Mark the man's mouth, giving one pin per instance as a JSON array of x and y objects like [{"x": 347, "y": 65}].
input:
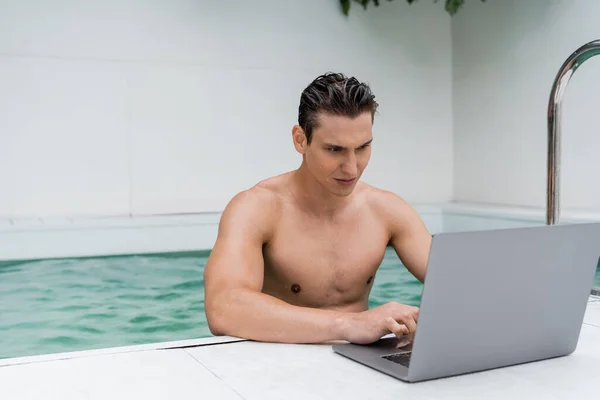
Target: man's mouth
[{"x": 345, "y": 181}]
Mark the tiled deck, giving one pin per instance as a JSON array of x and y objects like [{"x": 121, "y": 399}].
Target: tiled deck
[{"x": 227, "y": 368}]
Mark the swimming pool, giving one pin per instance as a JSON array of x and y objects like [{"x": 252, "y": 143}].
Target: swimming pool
[{"x": 60, "y": 305}]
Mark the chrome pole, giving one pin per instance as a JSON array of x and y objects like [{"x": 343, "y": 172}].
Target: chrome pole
[{"x": 574, "y": 61}]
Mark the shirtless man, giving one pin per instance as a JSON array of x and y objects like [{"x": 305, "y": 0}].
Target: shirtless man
[{"x": 296, "y": 255}]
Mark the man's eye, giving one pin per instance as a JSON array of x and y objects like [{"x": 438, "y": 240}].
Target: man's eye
[{"x": 334, "y": 149}]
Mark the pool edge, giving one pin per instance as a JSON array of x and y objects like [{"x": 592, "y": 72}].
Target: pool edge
[{"x": 207, "y": 341}]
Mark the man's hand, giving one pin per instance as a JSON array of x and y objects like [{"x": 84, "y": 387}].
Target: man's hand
[{"x": 369, "y": 326}]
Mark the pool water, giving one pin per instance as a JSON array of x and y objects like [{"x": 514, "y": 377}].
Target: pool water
[{"x": 52, "y": 306}]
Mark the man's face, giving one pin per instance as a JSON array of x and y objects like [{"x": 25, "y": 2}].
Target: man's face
[{"x": 339, "y": 151}]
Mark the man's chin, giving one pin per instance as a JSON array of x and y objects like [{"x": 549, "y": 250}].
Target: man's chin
[{"x": 343, "y": 192}]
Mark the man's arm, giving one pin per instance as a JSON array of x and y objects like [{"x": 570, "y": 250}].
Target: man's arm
[
  {"x": 409, "y": 236},
  {"x": 233, "y": 279}
]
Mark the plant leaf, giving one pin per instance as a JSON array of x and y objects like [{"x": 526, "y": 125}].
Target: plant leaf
[
  {"x": 364, "y": 3},
  {"x": 452, "y": 6},
  {"x": 345, "y": 6}
]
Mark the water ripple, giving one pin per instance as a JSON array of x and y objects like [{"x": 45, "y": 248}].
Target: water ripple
[{"x": 66, "y": 305}]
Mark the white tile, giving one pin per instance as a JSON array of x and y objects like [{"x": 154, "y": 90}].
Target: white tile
[
  {"x": 592, "y": 312},
  {"x": 56, "y": 221},
  {"x": 168, "y": 374},
  {"x": 63, "y": 138},
  {"x": 26, "y": 223},
  {"x": 24, "y": 245},
  {"x": 207, "y": 341},
  {"x": 272, "y": 371},
  {"x": 252, "y": 370},
  {"x": 114, "y": 222}
]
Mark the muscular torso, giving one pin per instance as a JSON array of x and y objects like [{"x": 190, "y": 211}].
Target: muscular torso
[{"x": 325, "y": 262}]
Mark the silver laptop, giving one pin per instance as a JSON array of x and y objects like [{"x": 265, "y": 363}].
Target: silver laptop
[{"x": 493, "y": 299}]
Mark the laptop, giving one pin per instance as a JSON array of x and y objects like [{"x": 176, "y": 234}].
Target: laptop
[{"x": 493, "y": 299}]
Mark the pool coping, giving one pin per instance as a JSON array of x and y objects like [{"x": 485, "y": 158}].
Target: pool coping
[{"x": 176, "y": 344}]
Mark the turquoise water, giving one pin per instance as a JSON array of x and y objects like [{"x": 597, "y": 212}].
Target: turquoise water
[{"x": 53, "y": 306}]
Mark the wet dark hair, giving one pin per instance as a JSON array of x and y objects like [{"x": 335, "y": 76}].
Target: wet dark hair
[{"x": 335, "y": 94}]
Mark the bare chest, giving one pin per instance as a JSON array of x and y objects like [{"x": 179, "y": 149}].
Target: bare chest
[{"x": 321, "y": 264}]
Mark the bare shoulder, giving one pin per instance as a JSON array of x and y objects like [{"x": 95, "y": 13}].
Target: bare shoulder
[
  {"x": 253, "y": 201},
  {"x": 386, "y": 203},
  {"x": 397, "y": 213},
  {"x": 255, "y": 209}
]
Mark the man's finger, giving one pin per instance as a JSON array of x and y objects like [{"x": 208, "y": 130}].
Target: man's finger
[
  {"x": 403, "y": 341},
  {"x": 416, "y": 314},
  {"x": 396, "y": 328},
  {"x": 410, "y": 323}
]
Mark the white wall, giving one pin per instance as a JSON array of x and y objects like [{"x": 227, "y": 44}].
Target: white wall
[
  {"x": 122, "y": 107},
  {"x": 506, "y": 55}
]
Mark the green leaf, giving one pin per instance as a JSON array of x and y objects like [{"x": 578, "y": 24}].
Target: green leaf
[
  {"x": 364, "y": 3},
  {"x": 345, "y": 6},
  {"x": 451, "y": 6}
]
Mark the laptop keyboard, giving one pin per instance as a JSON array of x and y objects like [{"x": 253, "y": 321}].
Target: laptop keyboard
[{"x": 400, "y": 358}]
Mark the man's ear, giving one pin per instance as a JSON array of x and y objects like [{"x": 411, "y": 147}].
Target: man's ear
[{"x": 299, "y": 138}]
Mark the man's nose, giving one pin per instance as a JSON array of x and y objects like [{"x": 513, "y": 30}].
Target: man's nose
[{"x": 350, "y": 166}]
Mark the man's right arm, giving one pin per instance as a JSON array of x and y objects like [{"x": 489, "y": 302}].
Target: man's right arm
[{"x": 233, "y": 279}]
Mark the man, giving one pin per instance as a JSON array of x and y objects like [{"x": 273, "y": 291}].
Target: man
[{"x": 296, "y": 255}]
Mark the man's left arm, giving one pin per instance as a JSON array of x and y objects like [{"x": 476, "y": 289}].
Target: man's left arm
[{"x": 409, "y": 236}]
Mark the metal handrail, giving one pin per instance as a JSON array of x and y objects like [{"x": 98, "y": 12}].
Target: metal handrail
[
  {"x": 565, "y": 73},
  {"x": 559, "y": 86}
]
